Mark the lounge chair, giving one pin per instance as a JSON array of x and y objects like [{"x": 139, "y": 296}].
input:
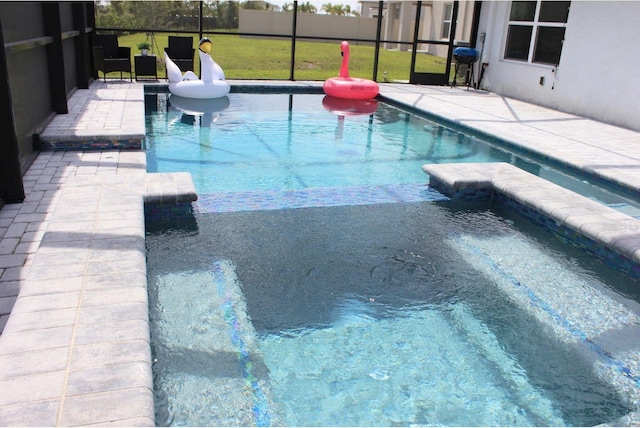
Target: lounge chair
[
  {"x": 108, "y": 56},
  {"x": 181, "y": 52}
]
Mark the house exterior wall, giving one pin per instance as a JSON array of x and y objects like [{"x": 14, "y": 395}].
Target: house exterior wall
[
  {"x": 597, "y": 73},
  {"x": 431, "y": 22}
]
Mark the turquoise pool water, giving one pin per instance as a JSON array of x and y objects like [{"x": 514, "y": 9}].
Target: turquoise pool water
[
  {"x": 281, "y": 141},
  {"x": 420, "y": 313},
  {"x": 321, "y": 283},
  {"x": 292, "y": 150}
]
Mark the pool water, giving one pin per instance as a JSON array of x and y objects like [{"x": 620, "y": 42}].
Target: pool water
[
  {"x": 428, "y": 313},
  {"x": 320, "y": 282},
  {"x": 273, "y": 151},
  {"x": 257, "y": 142}
]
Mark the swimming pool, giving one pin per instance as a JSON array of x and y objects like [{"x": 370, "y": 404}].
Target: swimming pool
[{"x": 351, "y": 310}]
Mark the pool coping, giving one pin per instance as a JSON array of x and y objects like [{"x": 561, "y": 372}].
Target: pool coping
[{"x": 75, "y": 350}]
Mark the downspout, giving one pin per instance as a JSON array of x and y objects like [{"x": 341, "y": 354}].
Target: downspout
[
  {"x": 475, "y": 24},
  {"x": 487, "y": 39}
]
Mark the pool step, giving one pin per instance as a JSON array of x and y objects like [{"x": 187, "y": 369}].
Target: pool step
[
  {"x": 572, "y": 303},
  {"x": 205, "y": 346},
  {"x": 575, "y": 307},
  {"x": 539, "y": 408},
  {"x": 412, "y": 369}
]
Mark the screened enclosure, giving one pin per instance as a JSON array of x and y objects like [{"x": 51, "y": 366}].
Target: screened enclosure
[{"x": 391, "y": 41}]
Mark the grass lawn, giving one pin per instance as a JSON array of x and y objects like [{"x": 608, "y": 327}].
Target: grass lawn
[{"x": 257, "y": 58}]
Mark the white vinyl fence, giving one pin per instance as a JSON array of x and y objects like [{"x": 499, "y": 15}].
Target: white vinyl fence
[{"x": 308, "y": 25}]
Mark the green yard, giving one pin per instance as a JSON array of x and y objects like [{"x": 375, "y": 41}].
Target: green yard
[{"x": 254, "y": 58}]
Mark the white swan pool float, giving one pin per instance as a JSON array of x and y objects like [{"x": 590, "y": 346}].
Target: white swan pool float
[{"x": 212, "y": 83}]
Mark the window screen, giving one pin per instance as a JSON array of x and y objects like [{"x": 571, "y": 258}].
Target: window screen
[
  {"x": 523, "y": 11},
  {"x": 537, "y": 26},
  {"x": 554, "y": 11},
  {"x": 549, "y": 45},
  {"x": 518, "y": 42}
]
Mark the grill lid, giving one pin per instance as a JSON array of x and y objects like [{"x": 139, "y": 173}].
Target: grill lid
[{"x": 465, "y": 55}]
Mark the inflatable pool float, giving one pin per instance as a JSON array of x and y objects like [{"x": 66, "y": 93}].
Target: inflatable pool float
[
  {"x": 353, "y": 88},
  {"x": 212, "y": 83}
]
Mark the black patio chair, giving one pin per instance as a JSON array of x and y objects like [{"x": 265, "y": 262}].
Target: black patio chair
[
  {"x": 181, "y": 51},
  {"x": 108, "y": 56}
]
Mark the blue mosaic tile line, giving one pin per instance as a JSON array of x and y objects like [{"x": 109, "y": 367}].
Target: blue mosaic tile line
[
  {"x": 315, "y": 197},
  {"x": 260, "y": 407},
  {"x": 126, "y": 144}
]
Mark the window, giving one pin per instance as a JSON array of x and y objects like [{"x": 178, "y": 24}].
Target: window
[
  {"x": 536, "y": 31},
  {"x": 446, "y": 20}
]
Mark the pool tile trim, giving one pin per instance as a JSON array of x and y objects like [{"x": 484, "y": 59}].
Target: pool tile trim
[
  {"x": 94, "y": 144},
  {"x": 270, "y": 199}
]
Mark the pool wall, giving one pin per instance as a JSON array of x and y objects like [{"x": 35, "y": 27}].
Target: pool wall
[{"x": 169, "y": 196}]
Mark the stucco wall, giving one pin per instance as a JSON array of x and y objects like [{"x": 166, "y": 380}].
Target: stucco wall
[{"x": 598, "y": 72}]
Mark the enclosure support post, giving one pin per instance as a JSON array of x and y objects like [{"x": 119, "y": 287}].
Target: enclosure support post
[
  {"x": 377, "y": 50},
  {"x": 293, "y": 40},
  {"x": 55, "y": 57},
  {"x": 11, "y": 185},
  {"x": 200, "y": 20},
  {"x": 452, "y": 37},
  {"x": 416, "y": 34},
  {"x": 83, "y": 70}
]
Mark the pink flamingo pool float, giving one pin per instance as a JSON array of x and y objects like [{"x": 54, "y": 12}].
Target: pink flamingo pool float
[{"x": 343, "y": 86}]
